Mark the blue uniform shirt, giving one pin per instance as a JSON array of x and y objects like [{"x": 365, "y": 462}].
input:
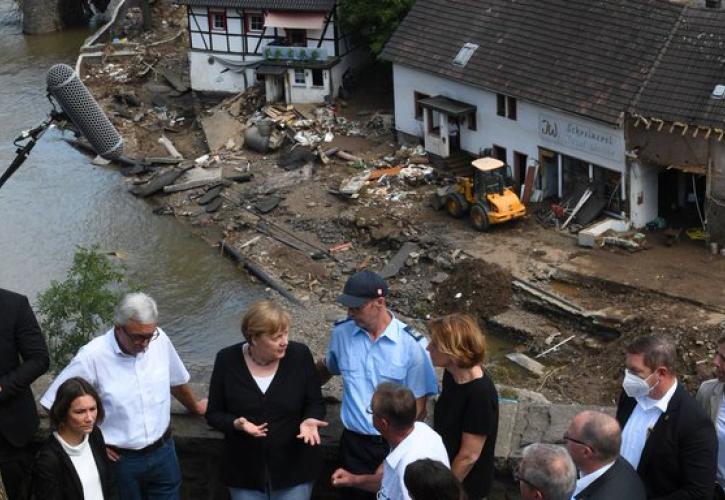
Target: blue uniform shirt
[{"x": 398, "y": 355}]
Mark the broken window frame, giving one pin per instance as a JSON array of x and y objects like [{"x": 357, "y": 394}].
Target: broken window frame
[
  {"x": 318, "y": 76},
  {"x": 213, "y": 16}
]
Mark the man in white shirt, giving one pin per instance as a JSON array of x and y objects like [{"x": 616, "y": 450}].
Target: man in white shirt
[
  {"x": 593, "y": 440},
  {"x": 393, "y": 411},
  {"x": 666, "y": 436},
  {"x": 710, "y": 398},
  {"x": 136, "y": 369}
]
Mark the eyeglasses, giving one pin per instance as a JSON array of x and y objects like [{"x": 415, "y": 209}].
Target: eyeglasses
[
  {"x": 568, "y": 438},
  {"x": 141, "y": 338}
]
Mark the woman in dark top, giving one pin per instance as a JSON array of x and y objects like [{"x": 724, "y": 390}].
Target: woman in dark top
[
  {"x": 265, "y": 397},
  {"x": 72, "y": 464},
  {"x": 466, "y": 413}
]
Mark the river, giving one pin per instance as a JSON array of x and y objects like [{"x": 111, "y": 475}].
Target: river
[{"x": 58, "y": 200}]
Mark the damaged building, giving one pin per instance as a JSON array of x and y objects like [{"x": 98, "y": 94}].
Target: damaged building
[
  {"x": 618, "y": 97},
  {"x": 298, "y": 48}
]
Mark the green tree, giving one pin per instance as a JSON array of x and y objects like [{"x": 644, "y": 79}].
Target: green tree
[
  {"x": 73, "y": 311},
  {"x": 375, "y": 20}
]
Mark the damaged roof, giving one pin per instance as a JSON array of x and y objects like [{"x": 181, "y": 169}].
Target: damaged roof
[
  {"x": 588, "y": 57},
  {"x": 291, "y": 5},
  {"x": 690, "y": 68}
]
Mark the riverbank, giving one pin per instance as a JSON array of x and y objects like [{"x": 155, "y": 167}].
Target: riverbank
[{"x": 310, "y": 220}]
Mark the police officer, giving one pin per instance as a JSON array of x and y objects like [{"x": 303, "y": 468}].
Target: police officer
[{"x": 369, "y": 347}]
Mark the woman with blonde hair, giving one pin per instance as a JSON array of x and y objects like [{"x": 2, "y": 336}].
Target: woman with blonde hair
[
  {"x": 265, "y": 397},
  {"x": 466, "y": 413}
]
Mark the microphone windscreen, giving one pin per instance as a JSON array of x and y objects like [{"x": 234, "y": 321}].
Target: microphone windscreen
[{"x": 83, "y": 110}]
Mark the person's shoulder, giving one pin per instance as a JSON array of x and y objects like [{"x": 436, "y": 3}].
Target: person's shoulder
[
  {"x": 708, "y": 385},
  {"x": 48, "y": 455},
  {"x": 297, "y": 349},
  {"x": 8, "y": 295},
  {"x": 343, "y": 324},
  {"x": 230, "y": 351}
]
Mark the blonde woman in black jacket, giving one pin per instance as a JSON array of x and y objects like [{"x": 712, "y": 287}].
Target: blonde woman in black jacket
[{"x": 72, "y": 464}]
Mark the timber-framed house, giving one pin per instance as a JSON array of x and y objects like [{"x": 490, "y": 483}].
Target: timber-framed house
[{"x": 296, "y": 47}]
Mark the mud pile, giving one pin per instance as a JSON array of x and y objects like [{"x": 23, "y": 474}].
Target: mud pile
[{"x": 475, "y": 287}]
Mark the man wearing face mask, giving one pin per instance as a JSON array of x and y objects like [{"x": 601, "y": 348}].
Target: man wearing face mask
[{"x": 666, "y": 436}]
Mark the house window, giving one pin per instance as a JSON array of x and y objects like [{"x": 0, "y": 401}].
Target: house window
[
  {"x": 317, "y": 78},
  {"x": 296, "y": 38},
  {"x": 506, "y": 106},
  {"x": 217, "y": 20},
  {"x": 499, "y": 153},
  {"x": 256, "y": 22},
  {"x": 464, "y": 54},
  {"x": 471, "y": 119},
  {"x": 417, "y": 96},
  {"x": 300, "y": 77}
]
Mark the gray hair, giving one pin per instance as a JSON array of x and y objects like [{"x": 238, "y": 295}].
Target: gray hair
[
  {"x": 396, "y": 404},
  {"x": 601, "y": 432},
  {"x": 549, "y": 469},
  {"x": 657, "y": 351},
  {"x": 137, "y": 307}
]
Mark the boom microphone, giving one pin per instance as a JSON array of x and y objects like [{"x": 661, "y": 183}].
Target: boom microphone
[{"x": 83, "y": 110}]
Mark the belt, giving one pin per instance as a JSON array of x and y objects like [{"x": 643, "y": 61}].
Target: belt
[
  {"x": 146, "y": 449},
  {"x": 371, "y": 438}
]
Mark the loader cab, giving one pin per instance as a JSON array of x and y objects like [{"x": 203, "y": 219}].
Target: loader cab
[{"x": 491, "y": 176}]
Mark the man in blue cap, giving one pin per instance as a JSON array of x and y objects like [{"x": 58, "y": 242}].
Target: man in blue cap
[{"x": 369, "y": 347}]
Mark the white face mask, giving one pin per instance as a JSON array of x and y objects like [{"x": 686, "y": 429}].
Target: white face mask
[{"x": 634, "y": 386}]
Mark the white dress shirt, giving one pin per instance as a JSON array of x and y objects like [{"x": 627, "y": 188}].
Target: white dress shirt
[
  {"x": 640, "y": 425},
  {"x": 720, "y": 427},
  {"x": 588, "y": 479},
  {"x": 81, "y": 457},
  {"x": 423, "y": 442},
  {"x": 135, "y": 390}
]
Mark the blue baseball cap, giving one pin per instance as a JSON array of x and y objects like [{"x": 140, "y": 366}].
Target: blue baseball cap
[{"x": 361, "y": 288}]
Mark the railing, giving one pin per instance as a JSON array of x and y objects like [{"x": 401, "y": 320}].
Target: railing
[{"x": 282, "y": 52}]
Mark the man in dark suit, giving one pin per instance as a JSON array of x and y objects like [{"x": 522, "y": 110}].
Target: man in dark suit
[
  {"x": 593, "y": 441},
  {"x": 666, "y": 436},
  {"x": 23, "y": 358}
]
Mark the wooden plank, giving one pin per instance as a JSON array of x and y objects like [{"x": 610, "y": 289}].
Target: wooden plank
[
  {"x": 525, "y": 362},
  {"x": 531, "y": 171}
]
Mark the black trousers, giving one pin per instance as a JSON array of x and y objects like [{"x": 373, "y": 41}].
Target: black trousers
[
  {"x": 15, "y": 467},
  {"x": 361, "y": 454},
  {"x": 719, "y": 493}
]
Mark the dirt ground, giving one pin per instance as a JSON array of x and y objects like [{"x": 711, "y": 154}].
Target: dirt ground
[{"x": 314, "y": 238}]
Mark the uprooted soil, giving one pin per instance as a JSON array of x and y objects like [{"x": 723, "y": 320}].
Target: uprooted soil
[{"x": 475, "y": 287}]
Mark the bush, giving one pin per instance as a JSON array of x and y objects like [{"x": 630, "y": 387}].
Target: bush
[
  {"x": 73, "y": 311},
  {"x": 290, "y": 53}
]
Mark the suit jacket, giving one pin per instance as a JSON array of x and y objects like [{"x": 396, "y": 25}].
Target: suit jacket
[
  {"x": 709, "y": 396},
  {"x": 679, "y": 458},
  {"x": 23, "y": 358},
  {"x": 55, "y": 476},
  {"x": 619, "y": 482}
]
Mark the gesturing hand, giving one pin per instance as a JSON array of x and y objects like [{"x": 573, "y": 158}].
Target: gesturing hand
[
  {"x": 242, "y": 424},
  {"x": 309, "y": 432}
]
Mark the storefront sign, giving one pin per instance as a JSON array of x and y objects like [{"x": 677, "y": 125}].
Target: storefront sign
[{"x": 590, "y": 139}]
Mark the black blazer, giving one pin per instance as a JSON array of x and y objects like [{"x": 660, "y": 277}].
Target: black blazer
[
  {"x": 679, "y": 458},
  {"x": 23, "y": 358},
  {"x": 620, "y": 482},
  {"x": 55, "y": 477},
  {"x": 293, "y": 396}
]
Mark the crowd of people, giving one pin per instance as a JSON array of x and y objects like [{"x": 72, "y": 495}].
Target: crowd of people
[{"x": 109, "y": 410}]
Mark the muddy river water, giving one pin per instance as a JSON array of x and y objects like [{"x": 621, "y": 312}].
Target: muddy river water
[{"x": 58, "y": 200}]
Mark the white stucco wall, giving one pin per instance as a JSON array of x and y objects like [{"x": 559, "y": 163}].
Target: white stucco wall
[
  {"x": 521, "y": 135},
  {"x": 308, "y": 93},
  {"x": 206, "y": 77}
]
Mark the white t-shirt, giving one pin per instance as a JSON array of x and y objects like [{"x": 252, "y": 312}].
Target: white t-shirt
[
  {"x": 81, "y": 457},
  {"x": 423, "y": 442},
  {"x": 135, "y": 390}
]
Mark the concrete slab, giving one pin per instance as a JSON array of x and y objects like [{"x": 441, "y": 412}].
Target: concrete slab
[{"x": 219, "y": 128}]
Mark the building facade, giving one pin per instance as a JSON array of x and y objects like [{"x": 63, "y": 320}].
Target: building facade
[{"x": 297, "y": 48}]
